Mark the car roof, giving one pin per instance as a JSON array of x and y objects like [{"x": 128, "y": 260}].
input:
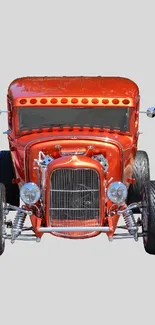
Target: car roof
[{"x": 112, "y": 87}]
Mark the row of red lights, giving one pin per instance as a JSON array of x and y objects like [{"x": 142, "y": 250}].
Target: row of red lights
[{"x": 74, "y": 101}]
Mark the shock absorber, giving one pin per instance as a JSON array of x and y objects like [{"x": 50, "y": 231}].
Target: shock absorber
[
  {"x": 130, "y": 222},
  {"x": 17, "y": 225}
]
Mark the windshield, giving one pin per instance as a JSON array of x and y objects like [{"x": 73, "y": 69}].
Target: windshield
[{"x": 47, "y": 117}]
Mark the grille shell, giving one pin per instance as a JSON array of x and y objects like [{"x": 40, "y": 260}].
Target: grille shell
[{"x": 74, "y": 196}]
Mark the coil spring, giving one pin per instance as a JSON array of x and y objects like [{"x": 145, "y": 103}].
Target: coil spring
[
  {"x": 130, "y": 222},
  {"x": 18, "y": 223}
]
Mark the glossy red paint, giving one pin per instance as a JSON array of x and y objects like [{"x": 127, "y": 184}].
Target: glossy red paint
[
  {"x": 111, "y": 87},
  {"x": 119, "y": 148},
  {"x": 76, "y": 162}
]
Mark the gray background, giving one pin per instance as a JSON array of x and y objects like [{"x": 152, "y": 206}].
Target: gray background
[{"x": 91, "y": 281}]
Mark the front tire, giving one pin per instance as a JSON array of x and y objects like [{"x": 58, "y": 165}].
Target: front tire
[
  {"x": 7, "y": 173},
  {"x": 2, "y": 217},
  {"x": 148, "y": 217},
  {"x": 141, "y": 173}
]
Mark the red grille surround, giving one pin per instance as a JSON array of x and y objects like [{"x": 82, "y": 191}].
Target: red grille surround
[{"x": 75, "y": 193}]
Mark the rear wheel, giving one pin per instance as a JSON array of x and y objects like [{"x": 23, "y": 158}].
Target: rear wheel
[
  {"x": 7, "y": 173},
  {"x": 141, "y": 173},
  {"x": 148, "y": 216},
  {"x": 2, "y": 217}
]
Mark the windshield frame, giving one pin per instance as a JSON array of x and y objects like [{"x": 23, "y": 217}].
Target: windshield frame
[{"x": 20, "y": 132}]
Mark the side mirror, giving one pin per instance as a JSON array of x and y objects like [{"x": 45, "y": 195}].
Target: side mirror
[
  {"x": 3, "y": 111},
  {"x": 9, "y": 120},
  {"x": 151, "y": 112}
]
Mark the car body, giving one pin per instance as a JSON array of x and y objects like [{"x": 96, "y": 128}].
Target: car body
[{"x": 73, "y": 143}]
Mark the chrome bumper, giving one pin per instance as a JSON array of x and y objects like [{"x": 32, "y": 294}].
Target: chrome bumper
[{"x": 73, "y": 229}]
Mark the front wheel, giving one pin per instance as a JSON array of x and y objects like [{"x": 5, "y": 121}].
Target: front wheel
[
  {"x": 7, "y": 173},
  {"x": 2, "y": 217},
  {"x": 148, "y": 216},
  {"x": 141, "y": 173}
]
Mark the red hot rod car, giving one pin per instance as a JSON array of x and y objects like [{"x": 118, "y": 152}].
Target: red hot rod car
[{"x": 73, "y": 161}]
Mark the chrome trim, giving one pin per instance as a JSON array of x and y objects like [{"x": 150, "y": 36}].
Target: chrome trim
[
  {"x": 22, "y": 237},
  {"x": 127, "y": 236},
  {"x": 71, "y": 153},
  {"x": 73, "y": 209},
  {"x": 43, "y": 160},
  {"x": 130, "y": 207},
  {"x": 13, "y": 207},
  {"x": 102, "y": 139},
  {"x": 44, "y": 170},
  {"x": 43, "y": 182},
  {"x": 17, "y": 225},
  {"x": 1, "y": 111},
  {"x": 59, "y": 209},
  {"x": 32, "y": 188},
  {"x": 130, "y": 222},
  {"x": 150, "y": 112},
  {"x": 102, "y": 160},
  {"x": 76, "y": 191},
  {"x": 72, "y": 229},
  {"x": 114, "y": 186},
  {"x": 7, "y": 132},
  {"x": 122, "y": 236}
]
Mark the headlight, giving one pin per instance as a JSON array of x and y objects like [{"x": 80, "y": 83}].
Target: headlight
[
  {"x": 30, "y": 193},
  {"x": 117, "y": 192}
]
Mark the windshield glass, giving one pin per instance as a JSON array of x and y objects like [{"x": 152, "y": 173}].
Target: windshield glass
[{"x": 47, "y": 117}]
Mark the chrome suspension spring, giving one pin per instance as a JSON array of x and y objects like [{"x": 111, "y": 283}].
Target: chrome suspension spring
[
  {"x": 130, "y": 222},
  {"x": 17, "y": 225}
]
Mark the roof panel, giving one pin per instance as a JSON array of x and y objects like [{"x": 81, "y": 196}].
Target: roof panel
[{"x": 27, "y": 87}]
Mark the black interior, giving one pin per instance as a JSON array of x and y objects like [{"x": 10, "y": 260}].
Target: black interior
[{"x": 38, "y": 117}]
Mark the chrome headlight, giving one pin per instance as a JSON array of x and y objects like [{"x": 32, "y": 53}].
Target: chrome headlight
[
  {"x": 117, "y": 192},
  {"x": 30, "y": 193}
]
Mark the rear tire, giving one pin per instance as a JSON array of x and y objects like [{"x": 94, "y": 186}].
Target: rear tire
[
  {"x": 7, "y": 173},
  {"x": 141, "y": 173},
  {"x": 2, "y": 217},
  {"x": 148, "y": 217}
]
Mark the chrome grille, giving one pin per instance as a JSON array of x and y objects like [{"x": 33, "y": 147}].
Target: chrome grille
[{"x": 74, "y": 195}]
